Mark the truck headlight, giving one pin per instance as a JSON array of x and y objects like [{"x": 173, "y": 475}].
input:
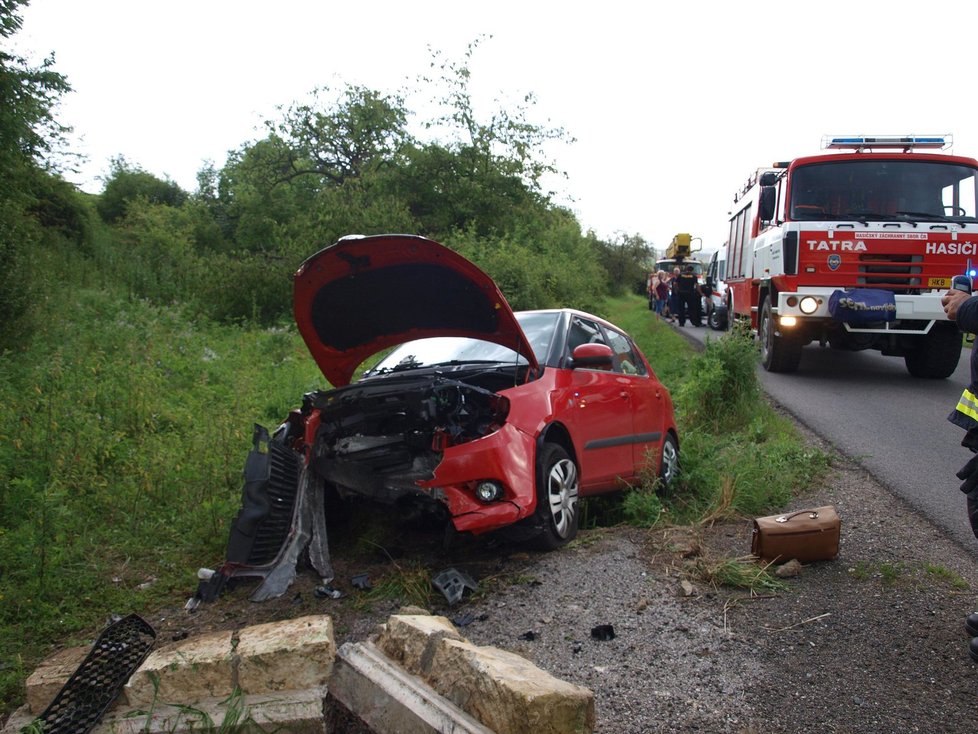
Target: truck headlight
[{"x": 808, "y": 305}]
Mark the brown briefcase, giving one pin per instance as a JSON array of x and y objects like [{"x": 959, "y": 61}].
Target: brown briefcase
[{"x": 806, "y": 535}]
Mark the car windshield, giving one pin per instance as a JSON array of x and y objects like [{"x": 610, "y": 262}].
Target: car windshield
[{"x": 452, "y": 350}]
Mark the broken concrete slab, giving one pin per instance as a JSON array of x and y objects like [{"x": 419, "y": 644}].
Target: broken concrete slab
[
  {"x": 391, "y": 701},
  {"x": 409, "y": 639},
  {"x": 297, "y": 712},
  {"x": 289, "y": 655},
  {"x": 50, "y": 676},
  {"x": 195, "y": 669},
  {"x": 508, "y": 693},
  {"x": 504, "y": 691}
]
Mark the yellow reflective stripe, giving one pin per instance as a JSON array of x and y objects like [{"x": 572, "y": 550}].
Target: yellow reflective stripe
[{"x": 968, "y": 404}]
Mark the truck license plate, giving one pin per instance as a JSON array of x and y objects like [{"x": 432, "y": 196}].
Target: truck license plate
[{"x": 938, "y": 282}]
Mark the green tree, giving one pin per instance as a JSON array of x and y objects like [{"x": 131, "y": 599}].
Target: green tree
[
  {"x": 127, "y": 182},
  {"x": 29, "y": 132},
  {"x": 341, "y": 138}
]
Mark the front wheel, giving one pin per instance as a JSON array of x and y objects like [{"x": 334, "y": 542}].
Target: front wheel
[
  {"x": 557, "y": 497},
  {"x": 779, "y": 353},
  {"x": 938, "y": 354}
]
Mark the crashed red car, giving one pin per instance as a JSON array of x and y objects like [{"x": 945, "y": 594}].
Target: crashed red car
[{"x": 484, "y": 417}]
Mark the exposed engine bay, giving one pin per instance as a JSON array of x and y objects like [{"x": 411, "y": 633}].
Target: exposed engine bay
[{"x": 378, "y": 438}]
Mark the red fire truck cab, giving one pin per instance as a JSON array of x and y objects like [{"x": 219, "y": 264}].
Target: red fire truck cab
[{"x": 854, "y": 249}]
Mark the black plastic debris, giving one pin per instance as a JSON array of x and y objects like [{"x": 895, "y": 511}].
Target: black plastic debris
[
  {"x": 452, "y": 583},
  {"x": 529, "y": 636},
  {"x": 603, "y": 632},
  {"x": 326, "y": 591},
  {"x": 467, "y": 618},
  {"x": 361, "y": 581},
  {"x": 115, "y": 656}
]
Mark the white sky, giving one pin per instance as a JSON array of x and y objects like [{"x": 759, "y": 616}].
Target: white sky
[{"x": 673, "y": 104}]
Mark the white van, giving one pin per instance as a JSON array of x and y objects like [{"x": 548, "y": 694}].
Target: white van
[{"x": 716, "y": 302}]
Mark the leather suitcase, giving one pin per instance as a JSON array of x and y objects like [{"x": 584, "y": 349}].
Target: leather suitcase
[{"x": 807, "y": 535}]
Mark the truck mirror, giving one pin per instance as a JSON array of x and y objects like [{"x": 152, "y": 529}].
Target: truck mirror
[
  {"x": 765, "y": 208},
  {"x": 768, "y": 178}
]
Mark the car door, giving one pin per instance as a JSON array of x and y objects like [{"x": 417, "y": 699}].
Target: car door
[
  {"x": 595, "y": 405},
  {"x": 644, "y": 400}
]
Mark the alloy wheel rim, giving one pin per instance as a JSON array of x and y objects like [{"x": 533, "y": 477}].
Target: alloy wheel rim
[
  {"x": 669, "y": 462},
  {"x": 562, "y": 495}
]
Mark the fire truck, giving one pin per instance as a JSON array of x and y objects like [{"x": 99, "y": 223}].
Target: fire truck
[{"x": 853, "y": 248}]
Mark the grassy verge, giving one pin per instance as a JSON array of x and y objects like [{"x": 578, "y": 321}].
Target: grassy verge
[{"x": 123, "y": 431}]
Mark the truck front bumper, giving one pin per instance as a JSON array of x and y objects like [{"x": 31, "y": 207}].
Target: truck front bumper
[{"x": 915, "y": 314}]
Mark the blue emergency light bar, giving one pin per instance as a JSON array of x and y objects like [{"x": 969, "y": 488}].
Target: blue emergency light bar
[{"x": 905, "y": 142}]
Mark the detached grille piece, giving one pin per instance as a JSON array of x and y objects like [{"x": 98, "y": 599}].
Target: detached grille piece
[{"x": 115, "y": 656}]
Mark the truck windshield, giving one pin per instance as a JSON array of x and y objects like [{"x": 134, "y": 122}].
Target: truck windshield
[{"x": 897, "y": 190}]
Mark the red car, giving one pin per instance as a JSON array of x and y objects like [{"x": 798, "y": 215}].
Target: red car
[{"x": 481, "y": 416}]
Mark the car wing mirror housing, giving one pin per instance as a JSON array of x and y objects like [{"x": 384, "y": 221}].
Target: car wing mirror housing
[{"x": 592, "y": 356}]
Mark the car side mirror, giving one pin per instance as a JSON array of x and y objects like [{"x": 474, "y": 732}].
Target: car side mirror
[{"x": 592, "y": 356}]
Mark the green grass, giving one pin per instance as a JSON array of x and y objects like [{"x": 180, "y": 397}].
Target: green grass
[{"x": 123, "y": 431}]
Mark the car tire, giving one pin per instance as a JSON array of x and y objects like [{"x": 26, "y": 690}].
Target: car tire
[
  {"x": 669, "y": 463},
  {"x": 558, "y": 508}
]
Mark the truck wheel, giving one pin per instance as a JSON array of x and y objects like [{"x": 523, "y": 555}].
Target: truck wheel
[
  {"x": 938, "y": 355},
  {"x": 718, "y": 318},
  {"x": 778, "y": 353}
]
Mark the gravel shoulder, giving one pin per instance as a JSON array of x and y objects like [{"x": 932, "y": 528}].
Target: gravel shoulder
[{"x": 870, "y": 642}]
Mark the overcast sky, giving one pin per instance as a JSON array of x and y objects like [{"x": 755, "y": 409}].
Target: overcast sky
[{"x": 673, "y": 105}]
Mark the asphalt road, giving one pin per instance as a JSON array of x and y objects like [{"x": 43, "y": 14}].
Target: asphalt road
[{"x": 871, "y": 409}]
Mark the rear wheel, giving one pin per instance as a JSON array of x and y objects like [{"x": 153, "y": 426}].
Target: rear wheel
[
  {"x": 669, "y": 465},
  {"x": 938, "y": 355},
  {"x": 557, "y": 496},
  {"x": 779, "y": 353}
]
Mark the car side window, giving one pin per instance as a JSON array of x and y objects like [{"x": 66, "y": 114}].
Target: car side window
[
  {"x": 584, "y": 331},
  {"x": 581, "y": 332},
  {"x": 629, "y": 362}
]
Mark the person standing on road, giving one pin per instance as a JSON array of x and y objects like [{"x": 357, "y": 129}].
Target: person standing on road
[
  {"x": 962, "y": 308},
  {"x": 661, "y": 287},
  {"x": 689, "y": 297},
  {"x": 674, "y": 294}
]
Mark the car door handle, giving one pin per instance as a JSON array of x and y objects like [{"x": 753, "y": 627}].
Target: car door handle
[{"x": 623, "y": 394}]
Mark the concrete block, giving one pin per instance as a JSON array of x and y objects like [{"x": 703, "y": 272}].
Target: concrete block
[
  {"x": 389, "y": 700},
  {"x": 410, "y": 639},
  {"x": 193, "y": 670},
  {"x": 297, "y": 712},
  {"x": 508, "y": 693},
  {"x": 50, "y": 676},
  {"x": 294, "y": 654}
]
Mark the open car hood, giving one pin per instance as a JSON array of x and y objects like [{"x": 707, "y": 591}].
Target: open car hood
[{"x": 365, "y": 294}]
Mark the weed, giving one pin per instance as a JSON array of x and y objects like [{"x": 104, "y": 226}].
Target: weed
[
  {"x": 739, "y": 573},
  {"x": 946, "y": 574}
]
